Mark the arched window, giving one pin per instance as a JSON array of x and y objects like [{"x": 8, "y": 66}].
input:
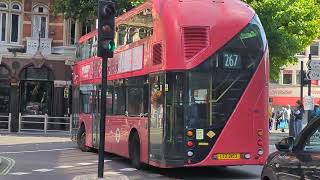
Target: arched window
[
  {"x": 3, "y": 5},
  {"x": 15, "y": 22},
  {"x": 40, "y": 21},
  {"x": 3, "y": 21},
  {"x": 10, "y": 22},
  {"x": 15, "y": 7}
]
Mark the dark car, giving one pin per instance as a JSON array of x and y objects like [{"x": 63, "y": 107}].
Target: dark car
[{"x": 296, "y": 158}]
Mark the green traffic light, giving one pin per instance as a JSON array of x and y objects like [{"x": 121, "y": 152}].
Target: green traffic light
[{"x": 109, "y": 45}]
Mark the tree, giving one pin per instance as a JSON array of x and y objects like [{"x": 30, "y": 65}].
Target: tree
[
  {"x": 85, "y": 10},
  {"x": 290, "y": 25}
]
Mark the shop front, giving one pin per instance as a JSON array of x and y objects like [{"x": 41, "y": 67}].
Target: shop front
[{"x": 30, "y": 91}]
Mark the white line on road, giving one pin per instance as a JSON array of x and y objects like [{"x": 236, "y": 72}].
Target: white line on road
[
  {"x": 43, "y": 170},
  {"x": 63, "y": 167},
  {"x": 104, "y": 161},
  {"x": 11, "y": 163},
  {"x": 45, "y": 150},
  {"x": 20, "y": 173},
  {"x": 84, "y": 164},
  {"x": 128, "y": 169}
]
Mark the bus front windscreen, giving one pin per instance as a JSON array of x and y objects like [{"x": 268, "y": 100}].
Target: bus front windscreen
[{"x": 215, "y": 87}]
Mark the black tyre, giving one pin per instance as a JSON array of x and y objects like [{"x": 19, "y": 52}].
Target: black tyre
[
  {"x": 81, "y": 139},
  {"x": 135, "y": 151}
]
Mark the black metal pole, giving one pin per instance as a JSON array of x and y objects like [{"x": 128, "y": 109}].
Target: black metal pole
[
  {"x": 309, "y": 93},
  {"x": 301, "y": 81},
  {"x": 102, "y": 118}
]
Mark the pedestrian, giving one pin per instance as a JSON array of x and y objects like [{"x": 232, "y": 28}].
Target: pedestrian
[
  {"x": 298, "y": 116},
  {"x": 270, "y": 115}
]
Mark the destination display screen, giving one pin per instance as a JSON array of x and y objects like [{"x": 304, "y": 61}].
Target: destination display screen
[{"x": 231, "y": 61}]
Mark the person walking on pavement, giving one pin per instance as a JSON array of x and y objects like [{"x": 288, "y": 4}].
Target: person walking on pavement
[{"x": 298, "y": 116}]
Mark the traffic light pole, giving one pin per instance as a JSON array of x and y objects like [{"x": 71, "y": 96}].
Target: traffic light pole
[
  {"x": 103, "y": 117},
  {"x": 301, "y": 81}
]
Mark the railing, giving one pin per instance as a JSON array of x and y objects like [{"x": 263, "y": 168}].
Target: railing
[
  {"x": 5, "y": 123},
  {"x": 44, "y": 123},
  {"x": 33, "y": 44}
]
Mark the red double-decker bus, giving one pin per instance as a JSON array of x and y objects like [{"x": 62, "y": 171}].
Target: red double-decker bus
[{"x": 188, "y": 86}]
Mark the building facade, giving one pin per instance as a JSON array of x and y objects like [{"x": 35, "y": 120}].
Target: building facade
[
  {"x": 35, "y": 49},
  {"x": 286, "y": 91}
]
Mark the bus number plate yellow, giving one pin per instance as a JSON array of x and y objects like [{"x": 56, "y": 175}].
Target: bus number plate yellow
[{"x": 228, "y": 156}]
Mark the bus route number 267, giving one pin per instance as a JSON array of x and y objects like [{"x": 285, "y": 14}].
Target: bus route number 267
[{"x": 231, "y": 61}]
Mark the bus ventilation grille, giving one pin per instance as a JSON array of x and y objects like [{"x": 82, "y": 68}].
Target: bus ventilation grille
[
  {"x": 157, "y": 54},
  {"x": 195, "y": 39}
]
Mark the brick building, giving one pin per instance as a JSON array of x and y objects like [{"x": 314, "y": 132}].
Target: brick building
[
  {"x": 35, "y": 48},
  {"x": 286, "y": 91}
]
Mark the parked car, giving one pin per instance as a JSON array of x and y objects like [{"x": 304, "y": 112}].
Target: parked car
[{"x": 296, "y": 158}]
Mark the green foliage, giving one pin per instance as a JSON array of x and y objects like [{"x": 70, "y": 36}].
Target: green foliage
[
  {"x": 290, "y": 25},
  {"x": 86, "y": 10}
]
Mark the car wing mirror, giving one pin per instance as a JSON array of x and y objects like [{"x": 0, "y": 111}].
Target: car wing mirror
[{"x": 285, "y": 144}]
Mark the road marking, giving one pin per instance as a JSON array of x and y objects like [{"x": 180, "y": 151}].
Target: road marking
[
  {"x": 128, "y": 169},
  {"x": 104, "y": 161},
  {"x": 11, "y": 163},
  {"x": 43, "y": 170},
  {"x": 84, "y": 164},
  {"x": 45, "y": 150},
  {"x": 106, "y": 173},
  {"x": 19, "y": 173},
  {"x": 63, "y": 167}
]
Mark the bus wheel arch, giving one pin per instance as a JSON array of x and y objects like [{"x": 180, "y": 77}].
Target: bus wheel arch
[
  {"x": 81, "y": 138},
  {"x": 134, "y": 149}
]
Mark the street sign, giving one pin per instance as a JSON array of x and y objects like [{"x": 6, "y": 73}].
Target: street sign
[
  {"x": 313, "y": 65},
  {"x": 308, "y": 103},
  {"x": 313, "y": 75}
]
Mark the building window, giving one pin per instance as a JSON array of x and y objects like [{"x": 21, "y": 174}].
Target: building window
[
  {"x": 15, "y": 27},
  {"x": 40, "y": 22},
  {"x": 70, "y": 32},
  {"x": 314, "y": 49},
  {"x": 10, "y": 21},
  {"x": 287, "y": 77},
  {"x": 298, "y": 77},
  {"x": 86, "y": 28},
  {"x": 3, "y": 26}
]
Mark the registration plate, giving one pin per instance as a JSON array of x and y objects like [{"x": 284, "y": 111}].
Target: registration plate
[{"x": 228, "y": 156}]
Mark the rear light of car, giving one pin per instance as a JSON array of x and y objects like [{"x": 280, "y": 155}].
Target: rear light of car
[
  {"x": 260, "y": 132},
  {"x": 260, "y": 152},
  {"x": 260, "y": 143}
]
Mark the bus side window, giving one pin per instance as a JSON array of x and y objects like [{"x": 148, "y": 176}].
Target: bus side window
[{"x": 137, "y": 27}]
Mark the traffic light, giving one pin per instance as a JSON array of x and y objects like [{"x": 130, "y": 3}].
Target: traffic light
[
  {"x": 305, "y": 80},
  {"x": 106, "y": 28}
]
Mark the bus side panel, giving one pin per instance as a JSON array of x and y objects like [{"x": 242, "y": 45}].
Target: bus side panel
[
  {"x": 108, "y": 136},
  {"x": 141, "y": 124},
  {"x": 119, "y": 129},
  {"x": 87, "y": 120},
  {"x": 240, "y": 133}
]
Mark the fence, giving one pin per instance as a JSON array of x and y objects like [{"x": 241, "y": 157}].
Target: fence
[
  {"x": 5, "y": 123},
  {"x": 44, "y": 123}
]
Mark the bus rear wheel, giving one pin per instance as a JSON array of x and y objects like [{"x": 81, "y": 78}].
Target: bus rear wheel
[
  {"x": 81, "y": 139},
  {"x": 135, "y": 151}
]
